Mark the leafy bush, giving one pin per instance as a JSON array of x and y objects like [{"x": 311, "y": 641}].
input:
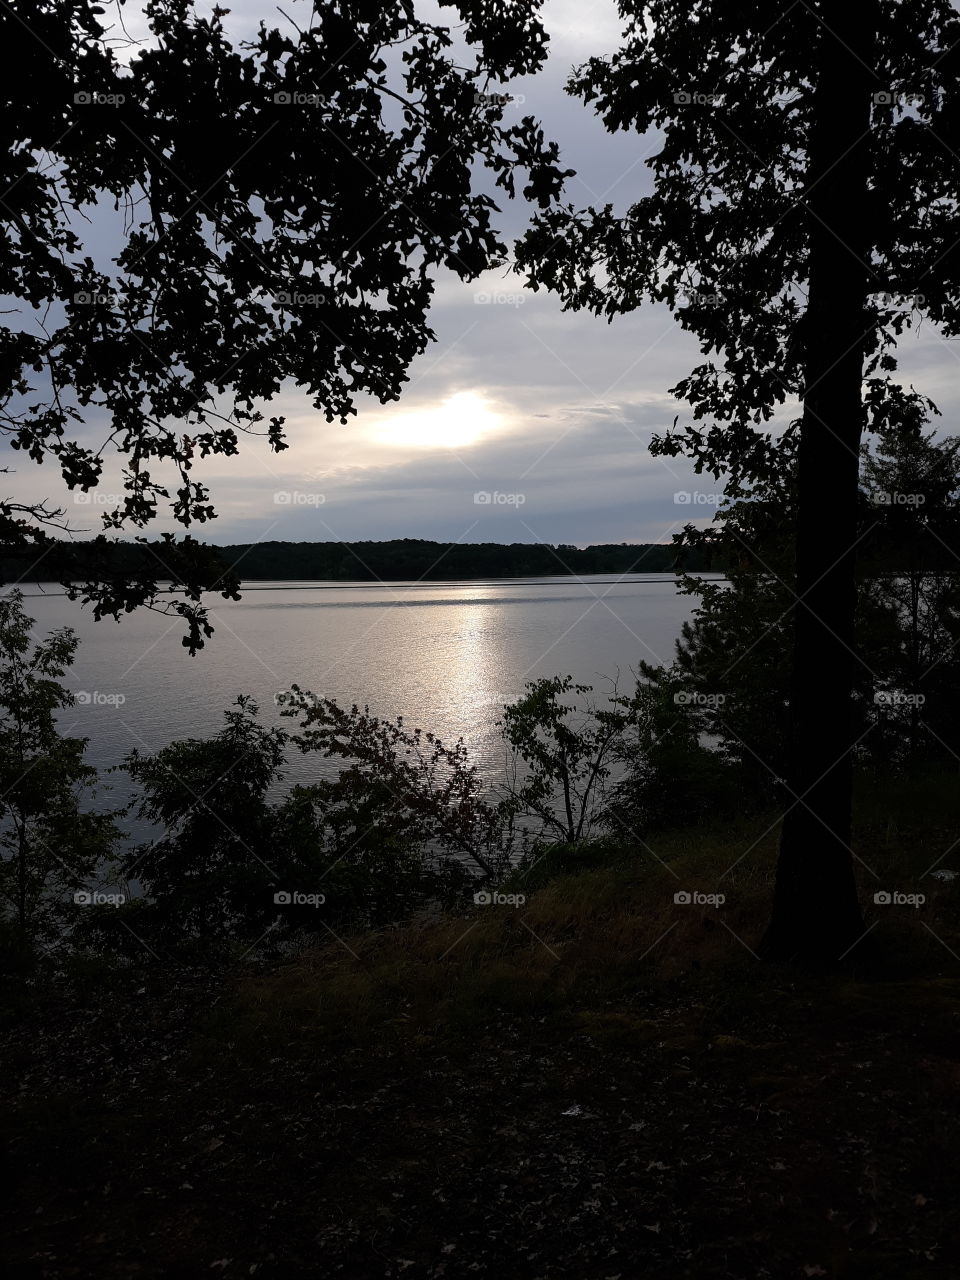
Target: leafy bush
[
  {"x": 51, "y": 845},
  {"x": 402, "y": 824},
  {"x": 404, "y": 780},
  {"x": 563, "y": 755}
]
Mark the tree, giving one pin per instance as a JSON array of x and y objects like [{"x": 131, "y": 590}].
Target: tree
[
  {"x": 911, "y": 485},
  {"x": 401, "y": 781},
  {"x": 50, "y": 845},
  {"x": 209, "y": 872},
  {"x": 804, "y": 178},
  {"x": 564, "y": 753},
  {"x": 669, "y": 776},
  {"x": 402, "y": 823},
  {"x": 281, "y": 209},
  {"x": 731, "y": 668}
]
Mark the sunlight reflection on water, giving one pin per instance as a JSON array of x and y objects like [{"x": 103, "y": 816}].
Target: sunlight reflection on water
[{"x": 445, "y": 656}]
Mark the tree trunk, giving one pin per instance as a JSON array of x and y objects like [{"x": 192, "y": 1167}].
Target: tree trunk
[{"x": 816, "y": 916}]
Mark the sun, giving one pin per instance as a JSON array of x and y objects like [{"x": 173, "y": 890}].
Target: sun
[{"x": 461, "y": 420}]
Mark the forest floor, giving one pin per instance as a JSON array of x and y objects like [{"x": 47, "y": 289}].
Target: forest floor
[{"x": 599, "y": 1083}]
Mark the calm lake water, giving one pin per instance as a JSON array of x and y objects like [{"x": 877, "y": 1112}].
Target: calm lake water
[{"x": 444, "y": 655}]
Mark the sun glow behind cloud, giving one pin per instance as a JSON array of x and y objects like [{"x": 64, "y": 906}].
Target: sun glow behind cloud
[{"x": 463, "y": 419}]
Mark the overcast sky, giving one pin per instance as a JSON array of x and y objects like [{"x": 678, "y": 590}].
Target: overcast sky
[{"x": 550, "y": 414}]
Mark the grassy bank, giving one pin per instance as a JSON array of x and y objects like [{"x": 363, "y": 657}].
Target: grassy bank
[{"x": 599, "y": 1082}]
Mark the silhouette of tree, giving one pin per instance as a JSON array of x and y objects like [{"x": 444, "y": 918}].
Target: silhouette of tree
[
  {"x": 563, "y": 752},
  {"x": 402, "y": 823},
  {"x": 911, "y": 485},
  {"x": 50, "y": 845},
  {"x": 804, "y": 175},
  {"x": 732, "y": 659},
  {"x": 280, "y": 209}
]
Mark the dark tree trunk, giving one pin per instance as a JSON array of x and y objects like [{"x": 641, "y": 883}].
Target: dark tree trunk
[{"x": 816, "y": 916}]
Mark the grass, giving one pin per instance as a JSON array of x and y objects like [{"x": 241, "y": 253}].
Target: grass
[{"x": 599, "y": 1082}]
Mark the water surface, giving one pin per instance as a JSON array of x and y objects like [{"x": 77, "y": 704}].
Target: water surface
[{"x": 444, "y": 655}]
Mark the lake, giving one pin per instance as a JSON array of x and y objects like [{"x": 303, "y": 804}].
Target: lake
[{"x": 444, "y": 655}]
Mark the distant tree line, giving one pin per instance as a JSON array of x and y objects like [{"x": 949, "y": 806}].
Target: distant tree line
[
  {"x": 403, "y": 558},
  {"x": 394, "y": 560},
  {"x": 893, "y": 540}
]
